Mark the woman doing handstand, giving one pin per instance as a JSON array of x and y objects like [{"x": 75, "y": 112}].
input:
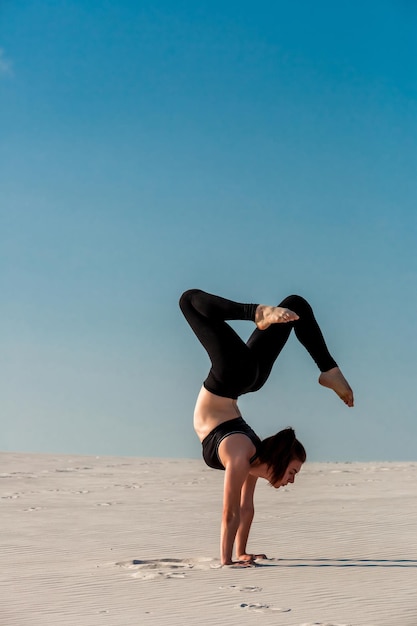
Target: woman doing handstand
[{"x": 228, "y": 442}]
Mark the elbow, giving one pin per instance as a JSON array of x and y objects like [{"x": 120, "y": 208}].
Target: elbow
[
  {"x": 247, "y": 512},
  {"x": 230, "y": 516}
]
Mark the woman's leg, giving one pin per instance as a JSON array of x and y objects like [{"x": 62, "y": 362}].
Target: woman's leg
[
  {"x": 233, "y": 367},
  {"x": 267, "y": 344}
]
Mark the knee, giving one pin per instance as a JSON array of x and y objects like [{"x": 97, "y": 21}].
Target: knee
[
  {"x": 298, "y": 304},
  {"x": 186, "y": 298}
]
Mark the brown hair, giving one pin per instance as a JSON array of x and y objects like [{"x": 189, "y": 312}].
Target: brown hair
[{"x": 279, "y": 450}]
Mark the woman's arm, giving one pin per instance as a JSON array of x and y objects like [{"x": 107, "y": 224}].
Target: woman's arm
[
  {"x": 247, "y": 511},
  {"x": 234, "y": 452},
  {"x": 235, "y": 476}
]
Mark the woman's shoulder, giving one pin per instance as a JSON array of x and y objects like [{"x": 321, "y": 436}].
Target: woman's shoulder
[{"x": 236, "y": 450}]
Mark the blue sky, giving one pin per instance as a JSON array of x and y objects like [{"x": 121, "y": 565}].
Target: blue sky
[{"x": 248, "y": 149}]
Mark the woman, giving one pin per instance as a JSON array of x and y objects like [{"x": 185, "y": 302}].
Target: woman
[{"x": 236, "y": 368}]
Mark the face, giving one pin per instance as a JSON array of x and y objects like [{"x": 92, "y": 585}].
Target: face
[{"x": 290, "y": 474}]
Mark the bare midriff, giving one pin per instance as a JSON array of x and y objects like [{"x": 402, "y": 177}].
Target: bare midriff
[{"x": 211, "y": 410}]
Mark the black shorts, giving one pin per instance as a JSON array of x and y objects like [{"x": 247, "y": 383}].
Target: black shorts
[{"x": 215, "y": 437}]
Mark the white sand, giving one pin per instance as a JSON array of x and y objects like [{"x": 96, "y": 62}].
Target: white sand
[{"x": 89, "y": 541}]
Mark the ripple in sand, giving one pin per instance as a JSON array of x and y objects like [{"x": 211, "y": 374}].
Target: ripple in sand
[{"x": 323, "y": 624}]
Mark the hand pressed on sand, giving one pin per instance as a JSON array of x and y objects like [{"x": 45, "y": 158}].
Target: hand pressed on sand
[{"x": 251, "y": 557}]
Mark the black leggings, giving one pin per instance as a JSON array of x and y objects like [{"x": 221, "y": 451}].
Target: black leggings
[{"x": 238, "y": 367}]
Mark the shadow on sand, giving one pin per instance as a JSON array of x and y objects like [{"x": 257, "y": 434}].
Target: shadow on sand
[{"x": 324, "y": 562}]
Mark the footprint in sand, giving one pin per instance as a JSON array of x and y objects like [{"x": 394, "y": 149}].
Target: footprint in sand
[
  {"x": 153, "y": 575},
  {"x": 129, "y": 486},
  {"x": 244, "y": 589},
  {"x": 262, "y": 607},
  {"x": 161, "y": 568}
]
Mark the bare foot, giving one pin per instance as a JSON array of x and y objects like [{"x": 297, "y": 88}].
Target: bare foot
[
  {"x": 267, "y": 315},
  {"x": 334, "y": 379}
]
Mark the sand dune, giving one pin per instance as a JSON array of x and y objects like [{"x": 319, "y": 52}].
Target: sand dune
[{"x": 89, "y": 541}]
